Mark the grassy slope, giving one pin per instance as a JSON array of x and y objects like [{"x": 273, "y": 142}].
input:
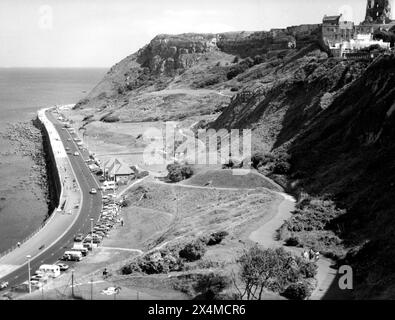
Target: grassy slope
[{"x": 228, "y": 179}]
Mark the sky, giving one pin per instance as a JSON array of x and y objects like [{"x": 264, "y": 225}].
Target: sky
[{"x": 99, "y": 33}]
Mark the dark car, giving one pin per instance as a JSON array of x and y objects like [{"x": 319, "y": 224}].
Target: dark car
[{"x": 79, "y": 237}]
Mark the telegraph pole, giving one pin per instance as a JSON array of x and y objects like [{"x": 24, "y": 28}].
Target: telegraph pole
[
  {"x": 28, "y": 268},
  {"x": 91, "y": 289},
  {"x": 72, "y": 283}
]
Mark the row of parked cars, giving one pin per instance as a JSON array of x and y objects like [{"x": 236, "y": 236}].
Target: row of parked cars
[{"x": 84, "y": 243}]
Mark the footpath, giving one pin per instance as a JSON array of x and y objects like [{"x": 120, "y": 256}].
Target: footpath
[{"x": 265, "y": 235}]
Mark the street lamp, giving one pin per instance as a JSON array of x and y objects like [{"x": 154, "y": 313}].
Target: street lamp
[
  {"x": 92, "y": 234},
  {"x": 28, "y": 269}
]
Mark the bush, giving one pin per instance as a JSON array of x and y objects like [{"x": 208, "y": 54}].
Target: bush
[
  {"x": 216, "y": 238},
  {"x": 236, "y": 70},
  {"x": 258, "y": 59},
  {"x": 292, "y": 241},
  {"x": 308, "y": 269},
  {"x": 193, "y": 251},
  {"x": 281, "y": 167},
  {"x": 260, "y": 159},
  {"x": 209, "y": 285},
  {"x": 297, "y": 291},
  {"x": 177, "y": 172}
]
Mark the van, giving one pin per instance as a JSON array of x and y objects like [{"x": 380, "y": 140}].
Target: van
[
  {"x": 50, "y": 270},
  {"x": 72, "y": 256},
  {"x": 80, "y": 247}
]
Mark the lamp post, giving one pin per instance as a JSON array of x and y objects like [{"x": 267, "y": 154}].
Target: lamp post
[
  {"x": 28, "y": 270},
  {"x": 92, "y": 234}
]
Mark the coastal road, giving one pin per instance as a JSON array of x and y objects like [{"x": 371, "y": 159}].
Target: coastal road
[{"x": 90, "y": 208}]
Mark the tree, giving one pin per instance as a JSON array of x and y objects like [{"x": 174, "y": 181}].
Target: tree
[
  {"x": 272, "y": 269},
  {"x": 209, "y": 285},
  {"x": 177, "y": 172}
]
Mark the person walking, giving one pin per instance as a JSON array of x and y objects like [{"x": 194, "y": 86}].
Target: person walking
[
  {"x": 311, "y": 254},
  {"x": 317, "y": 256}
]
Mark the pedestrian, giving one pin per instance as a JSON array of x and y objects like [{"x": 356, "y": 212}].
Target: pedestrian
[
  {"x": 311, "y": 254},
  {"x": 317, "y": 256}
]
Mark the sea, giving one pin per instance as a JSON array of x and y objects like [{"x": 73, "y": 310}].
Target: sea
[{"x": 23, "y": 203}]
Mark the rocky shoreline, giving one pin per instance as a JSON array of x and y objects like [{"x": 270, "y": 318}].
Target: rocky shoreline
[{"x": 28, "y": 140}]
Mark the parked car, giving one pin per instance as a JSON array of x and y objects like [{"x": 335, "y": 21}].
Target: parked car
[
  {"x": 63, "y": 266},
  {"x": 3, "y": 285},
  {"x": 38, "y": 277},
  {"x": 79, "y": 237},
  {"x": 76, "y": 153},
  {"x": 93, "y": 191}
]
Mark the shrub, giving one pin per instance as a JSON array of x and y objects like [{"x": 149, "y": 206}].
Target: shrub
[
  {"x": 281, "y": 167},
  {"x": 177, "y": 172},
  {"x": 258, "y": 59},
  {"x": 216, "y": 238},
  {"x": 308, "y": 269},
  {"x": 209, "y": 285},
  {"x": 236, "y": 70},
  {"x": 297, "y": 291},
  {"x": 292, "y": 241},
  {"x": 193, "y": 251},
  {"x": 260, "y": 159}
]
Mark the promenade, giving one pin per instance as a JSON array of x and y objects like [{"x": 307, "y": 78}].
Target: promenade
[{"x": 61, "y": 219}]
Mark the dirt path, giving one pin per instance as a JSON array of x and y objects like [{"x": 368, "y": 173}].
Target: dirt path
[{"x": 265, "y": 235}]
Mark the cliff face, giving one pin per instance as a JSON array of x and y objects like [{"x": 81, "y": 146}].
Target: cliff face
[
  {"x": 186, "y": 61},
  {"x": 349, "y": 151}
]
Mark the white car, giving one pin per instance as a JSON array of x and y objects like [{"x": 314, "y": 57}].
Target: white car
[
  {"x": 76, "y": 153},
  {"x": 93, "y": 191},
  {"x": 63, "y": 266},
  {"x": 3, "y": 285}
]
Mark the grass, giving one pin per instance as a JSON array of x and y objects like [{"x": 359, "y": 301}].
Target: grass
[{"x": 229, "y": 179}]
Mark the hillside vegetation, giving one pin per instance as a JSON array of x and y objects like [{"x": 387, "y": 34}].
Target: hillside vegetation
[{"x": 322, "y": 127}]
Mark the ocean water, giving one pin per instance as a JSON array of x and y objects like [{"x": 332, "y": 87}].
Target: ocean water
[{"x": 23, "y": 205}]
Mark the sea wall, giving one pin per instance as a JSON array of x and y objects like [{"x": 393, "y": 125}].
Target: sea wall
[
  {"x": 54, "y": 178},
  {"x": 53, "y": 183}
]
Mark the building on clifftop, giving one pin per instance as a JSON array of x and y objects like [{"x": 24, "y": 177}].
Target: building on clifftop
[{"x": 378, "y": 12}]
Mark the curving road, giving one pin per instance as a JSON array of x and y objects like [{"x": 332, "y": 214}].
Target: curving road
[{"x": 90, "y": 208}]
